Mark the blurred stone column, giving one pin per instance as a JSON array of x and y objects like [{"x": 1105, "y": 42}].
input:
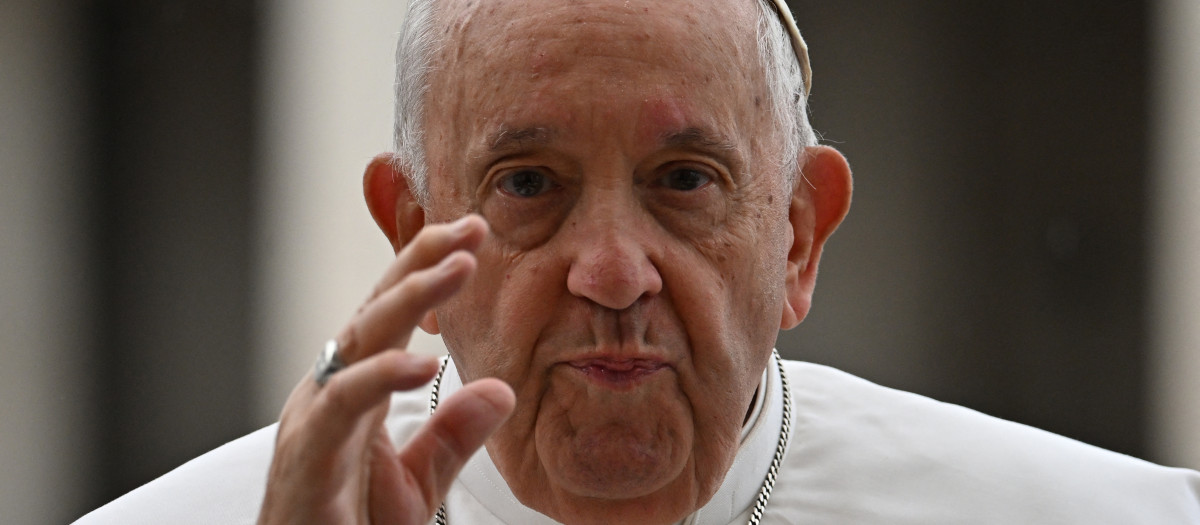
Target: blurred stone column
[
  {"x": 1175, "y": 251},
  {"x": 327, "y": 77},
  {"x": 45, "y": 335}
]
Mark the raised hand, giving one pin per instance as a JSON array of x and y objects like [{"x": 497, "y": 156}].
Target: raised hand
[{"x": 334, "y": 461}]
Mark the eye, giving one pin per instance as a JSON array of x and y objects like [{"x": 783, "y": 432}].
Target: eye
[
  {"x": 525, "y": 183},
  {"x": 685, "y": 179}
]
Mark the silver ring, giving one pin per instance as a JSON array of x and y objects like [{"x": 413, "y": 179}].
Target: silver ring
[{"x": 328, "y": 363}]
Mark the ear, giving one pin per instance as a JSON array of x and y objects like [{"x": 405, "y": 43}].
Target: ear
[
  {"x": 395, "y": 210},
  {"x": 820, "y": 200},
  {"x": 392, "y": 203}
]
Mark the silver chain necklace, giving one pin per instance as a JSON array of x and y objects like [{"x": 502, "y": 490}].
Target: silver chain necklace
[{"x": 764, "y": 494}]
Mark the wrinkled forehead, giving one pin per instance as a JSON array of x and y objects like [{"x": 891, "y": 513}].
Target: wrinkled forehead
[
  {"x": 503, "y": 60},
  {"x": 478, "y": 33}
]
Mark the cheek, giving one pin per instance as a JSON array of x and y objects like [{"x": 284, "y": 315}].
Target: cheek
[
  {"x": 732, "y": 324},
  {"x": 728, "y": 290},
  {"x": 492, "y": 323},
  {"x": 747, "y": 257}
]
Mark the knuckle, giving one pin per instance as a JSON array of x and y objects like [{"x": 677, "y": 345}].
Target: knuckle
[
  {"x": 335, "y": 396},
  {"x": 350, "y": 341},
  {"x": 287, "y": 439},
  {"x": 376, "y": 290},
  {"x": 391, "y": 363},
  {"x": 453, "y": 446},
  {"x": 398, "y": 368}
]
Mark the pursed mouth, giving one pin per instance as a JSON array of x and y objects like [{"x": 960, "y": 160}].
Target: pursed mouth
[{"x": 621, "y": 374}]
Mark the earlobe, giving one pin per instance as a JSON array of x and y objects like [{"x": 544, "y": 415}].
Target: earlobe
[
  {"x": 429, "y": 323},
  {"x": 391, "y": 202},
  {"x": 820, "y": 200}
]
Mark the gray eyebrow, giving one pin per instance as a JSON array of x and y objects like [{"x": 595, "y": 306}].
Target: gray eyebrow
[
  {"x": 506, "y": 138},
  {"x": 697, "y": 138}
]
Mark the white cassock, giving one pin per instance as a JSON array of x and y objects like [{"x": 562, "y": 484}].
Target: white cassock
[{"x": 859, "y": 453}]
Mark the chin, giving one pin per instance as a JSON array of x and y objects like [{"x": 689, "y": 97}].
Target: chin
[
  {"x": 618, "y": 462},
  {"x": 613, "y": 439}
]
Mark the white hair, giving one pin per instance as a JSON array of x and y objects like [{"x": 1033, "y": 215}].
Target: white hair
[
  {"x": 785, "y": 84},
  {"x": 419, "y": 44},
  {"x": 414, "y": 58}
]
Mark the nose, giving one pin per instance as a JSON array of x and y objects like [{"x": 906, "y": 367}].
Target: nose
[{"x": 612, "y": 268}]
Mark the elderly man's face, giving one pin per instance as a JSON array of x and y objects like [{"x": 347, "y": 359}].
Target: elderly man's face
[{"x": 631, "y": 291}]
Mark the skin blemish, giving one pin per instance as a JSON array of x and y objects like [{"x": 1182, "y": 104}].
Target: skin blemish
[
  {"x": 658, "y": 115},
  {"x": 541, "y": 63}
]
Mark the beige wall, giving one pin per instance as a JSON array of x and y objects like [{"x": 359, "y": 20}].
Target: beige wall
[
  {"x": 1175, "y": 310},
  {"x": 327, "y": 77},
  {"x": 44, "y": 465}
]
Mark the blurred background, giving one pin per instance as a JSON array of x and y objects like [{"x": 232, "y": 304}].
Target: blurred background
[{"x": 181, "y": 224}]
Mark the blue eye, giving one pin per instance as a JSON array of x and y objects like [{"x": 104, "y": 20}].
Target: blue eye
[
  {"x": 525, "y": 184},
  {"x": 684, "y": 179}
]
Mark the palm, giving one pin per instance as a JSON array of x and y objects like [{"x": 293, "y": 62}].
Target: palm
[{"x": 396, "y": 493}]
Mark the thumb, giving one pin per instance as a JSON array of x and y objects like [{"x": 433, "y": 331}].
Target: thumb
[{"x": 461, "y": 424}]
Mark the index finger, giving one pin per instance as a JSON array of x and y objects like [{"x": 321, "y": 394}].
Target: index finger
[
  {"x": 388, "y": 321},
  {"x": 427, "y": 271},
  {"x": 430, "y": 245}
]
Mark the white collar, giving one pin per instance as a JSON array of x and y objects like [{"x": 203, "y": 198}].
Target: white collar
[{"x": 733, "y": 499}]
